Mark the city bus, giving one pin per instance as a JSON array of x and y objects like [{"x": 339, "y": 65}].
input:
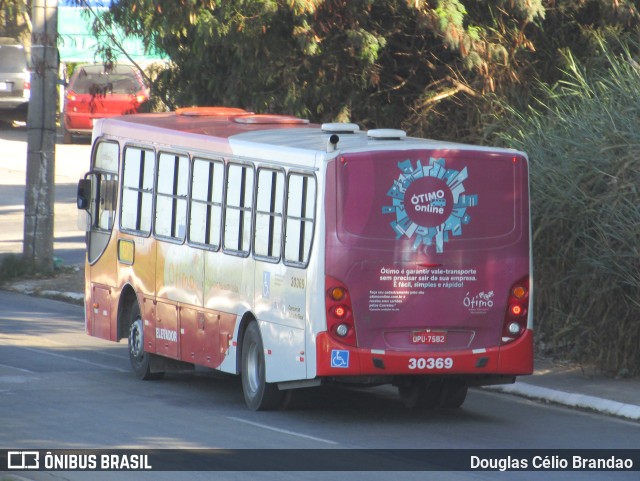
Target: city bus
[{"x": 296, "y": 254}]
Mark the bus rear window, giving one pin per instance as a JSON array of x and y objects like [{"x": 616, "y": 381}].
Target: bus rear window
[
  {"x": 427, "y": 199},
  {"x": 300, "y": 218}
]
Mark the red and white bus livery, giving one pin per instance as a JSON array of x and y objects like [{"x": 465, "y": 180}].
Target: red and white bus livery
[{"x": 295, "y": 254}]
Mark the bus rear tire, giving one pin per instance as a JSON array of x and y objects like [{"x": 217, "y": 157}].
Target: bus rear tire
[
  {"x": 454, "y": 393},
  {"x": 420, "y": 392},
  {"x": 258, "y": 394},
  {"x": 140, "y": 360}
]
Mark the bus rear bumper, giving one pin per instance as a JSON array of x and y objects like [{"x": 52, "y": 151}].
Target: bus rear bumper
[{"x": 338, "y": 360}]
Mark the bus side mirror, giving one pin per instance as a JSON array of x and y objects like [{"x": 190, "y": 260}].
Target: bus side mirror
[{"x": 84, "y": 194}]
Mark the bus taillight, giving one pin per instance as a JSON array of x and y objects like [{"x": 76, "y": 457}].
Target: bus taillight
[
  {"x": 515, "y": 319},
  {"x": 339, "y": 312}
]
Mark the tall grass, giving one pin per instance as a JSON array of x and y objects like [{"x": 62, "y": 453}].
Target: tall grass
[
  {"x": 13, "y": 266},
  {"x": 583, "y": 140}
]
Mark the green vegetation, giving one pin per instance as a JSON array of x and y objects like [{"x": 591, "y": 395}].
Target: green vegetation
[
  {"x": 13, "y": 266},
  {"x": 379, "y": 62},
  {"x": 583, "y": 140}
]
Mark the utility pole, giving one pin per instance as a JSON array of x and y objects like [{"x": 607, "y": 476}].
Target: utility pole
[{"x": 41, "y": 137}]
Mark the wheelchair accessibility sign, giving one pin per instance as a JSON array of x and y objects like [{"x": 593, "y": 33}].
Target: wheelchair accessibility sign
[{"x": 339, "y": 358}]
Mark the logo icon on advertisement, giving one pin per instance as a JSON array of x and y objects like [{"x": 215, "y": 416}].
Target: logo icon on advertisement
[
  {"x": 23, "y": 460},
  {"x": 481, "y": 303},
  {"x": 339, "y": 358},
  {"x": 429, "y": 202}
]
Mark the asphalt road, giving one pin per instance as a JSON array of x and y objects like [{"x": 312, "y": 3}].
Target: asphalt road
[{"x": 60, "y": 389}]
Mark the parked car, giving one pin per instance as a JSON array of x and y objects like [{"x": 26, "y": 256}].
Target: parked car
[
  {"x": 96, "y": 92},
  {"x": 15, "y": 81}
]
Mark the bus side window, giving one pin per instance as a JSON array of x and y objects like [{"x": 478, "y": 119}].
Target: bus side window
[
  {"x": 137, "y": 190},
  {"x": 238, "y": 206},
  {"x": 300, "y": 218},
  {"x": 171, "y": 196},
  {"x": 207, "y": 184},
  {"x": 269, "y": 214}
]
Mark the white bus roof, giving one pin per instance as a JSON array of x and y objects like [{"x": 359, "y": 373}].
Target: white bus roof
[{"x": 227, "y": 130}]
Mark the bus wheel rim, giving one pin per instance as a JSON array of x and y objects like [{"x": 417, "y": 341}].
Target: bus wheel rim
[
  {"x": 253, "y": 368},
  {"x": 136, "y": 340}
]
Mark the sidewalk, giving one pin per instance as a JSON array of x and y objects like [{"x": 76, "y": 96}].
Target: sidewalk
[{"x": 552, "y": 382}]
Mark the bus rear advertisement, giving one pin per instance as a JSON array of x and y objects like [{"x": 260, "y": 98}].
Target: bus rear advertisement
[{"x": 295, "y": 254}]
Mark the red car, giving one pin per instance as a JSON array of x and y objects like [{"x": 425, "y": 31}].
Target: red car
[{"x": 95, "y": 92}]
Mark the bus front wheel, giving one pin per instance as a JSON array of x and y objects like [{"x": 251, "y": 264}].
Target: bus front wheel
[
  {"x": 137, "y": 355},
  {"x": 258, "y": 394}
]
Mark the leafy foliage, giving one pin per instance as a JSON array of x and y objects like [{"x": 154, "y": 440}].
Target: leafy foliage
[
  {"x": 13, "y": 266},
  {"x": 583, "y": 138},
  {"x": 15, "y": 20},
  {"x": 423, "y": 66},
  {"x": 379, "y": 62}
]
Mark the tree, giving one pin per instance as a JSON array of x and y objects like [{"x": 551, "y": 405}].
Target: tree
[
  {"x": 316, "y": 58},
  {"x": 15, "y": 20},
  {"x": 424, "y": 65}
]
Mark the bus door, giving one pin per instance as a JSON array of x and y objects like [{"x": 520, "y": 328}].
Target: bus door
[{"x": 97, "y": 199}]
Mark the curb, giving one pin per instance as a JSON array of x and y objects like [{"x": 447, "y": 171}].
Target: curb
[
  {"x": 573, "y": 400},
  {"x": 70, "y": 297}
]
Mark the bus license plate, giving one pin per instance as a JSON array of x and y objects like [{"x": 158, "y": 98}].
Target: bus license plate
[
  {"x": 429, "y": 337},
  {"x": 4, "y": 86}
]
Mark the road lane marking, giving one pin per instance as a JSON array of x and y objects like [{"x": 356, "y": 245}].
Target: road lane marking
[
  {"x": 16, "y": 379},
  {"x": 73, "y": 358},
  {"x": 283, "y": 431},
  {"x": 18, "y": 368}
]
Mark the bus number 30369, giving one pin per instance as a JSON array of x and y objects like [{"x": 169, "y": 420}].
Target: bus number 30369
[{"x": 431, "y": 363}]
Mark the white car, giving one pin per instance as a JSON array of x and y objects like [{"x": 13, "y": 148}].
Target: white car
[{"x": 15, "y": 81}]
